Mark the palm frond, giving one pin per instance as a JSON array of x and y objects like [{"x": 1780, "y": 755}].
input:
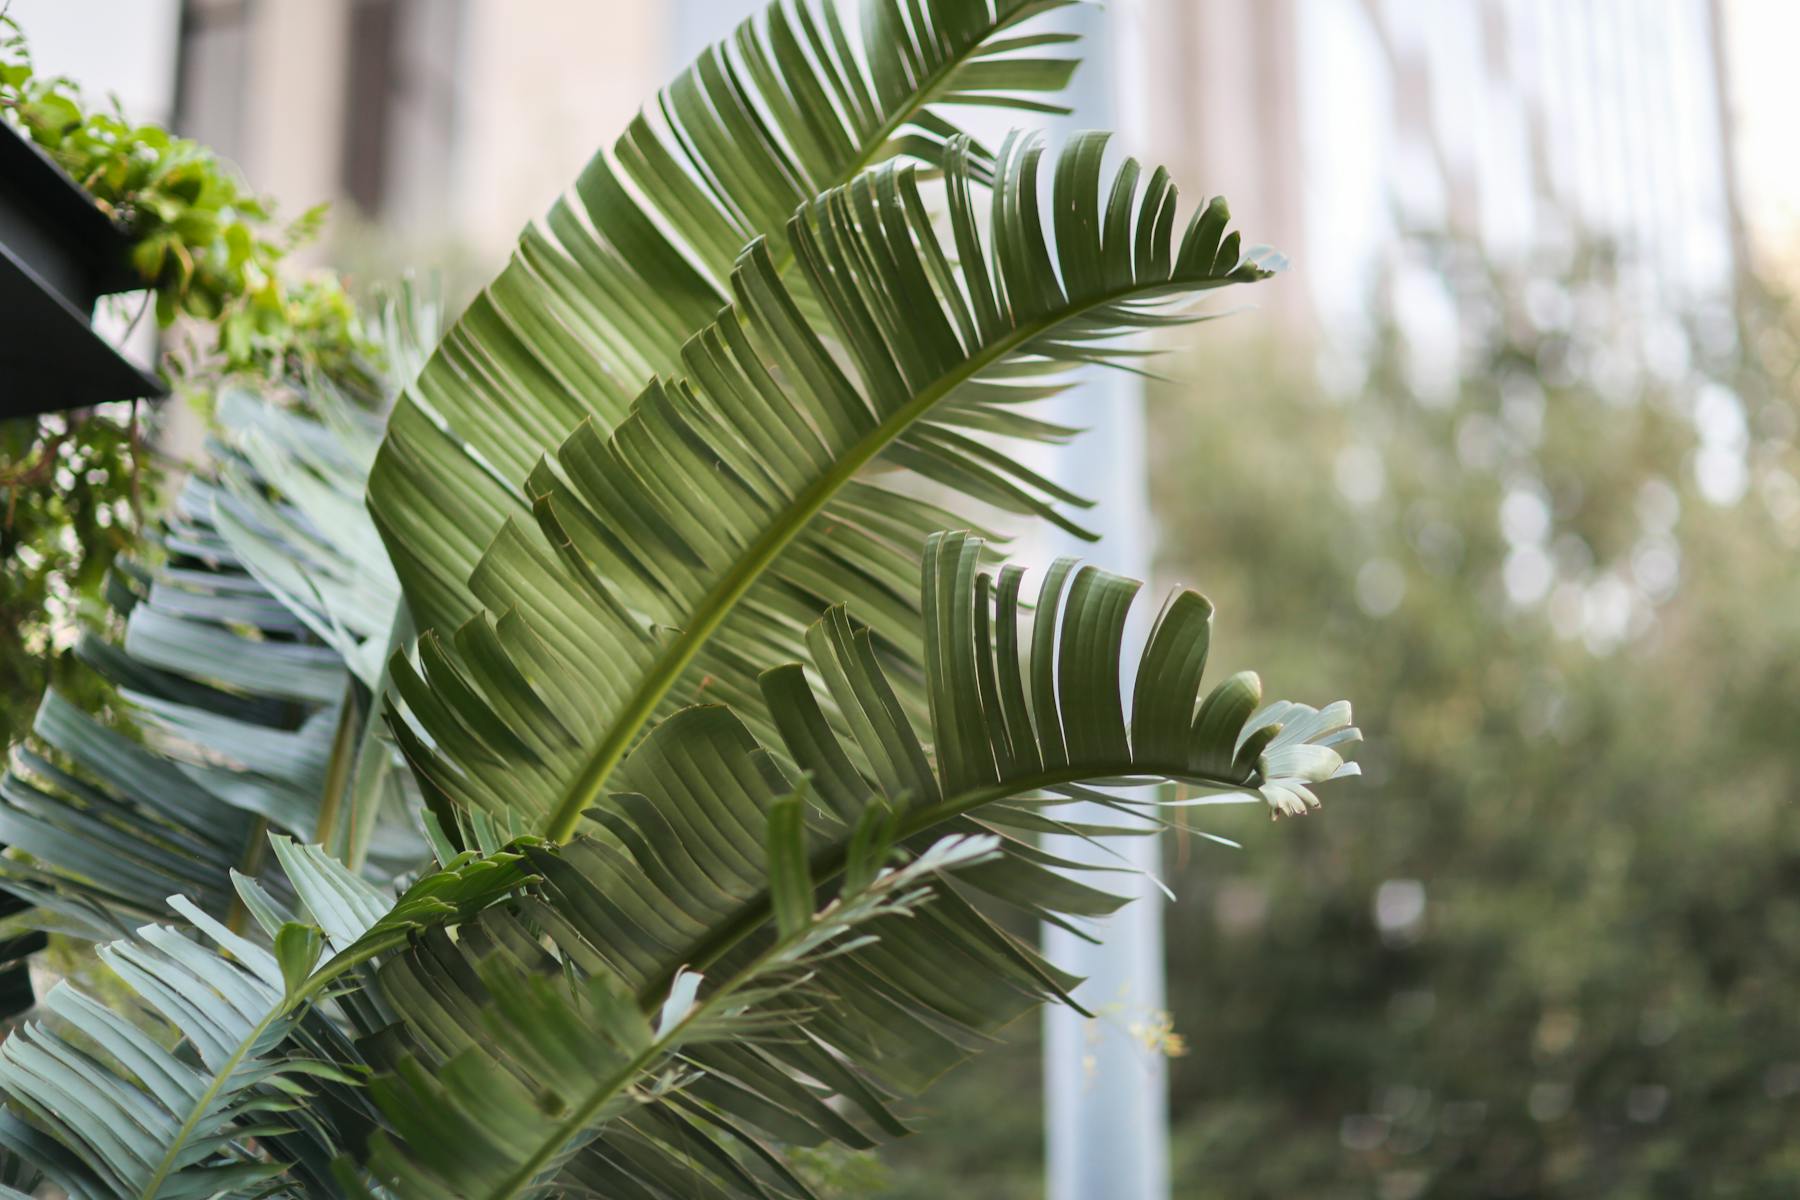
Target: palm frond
[
  {"x": 674, "y": 558},
  {"x": 104, "y": 1108},
  {"x": 236, "y": 708},
  {"x": 247, "y": 661},
  {"x": 289, "y": 504},
  {"x": 605, "y": 291},
  {"x": 506, "y": 1111},
  {"x": 1026, "y": 715},
  {"x": 710, "y": 855}
]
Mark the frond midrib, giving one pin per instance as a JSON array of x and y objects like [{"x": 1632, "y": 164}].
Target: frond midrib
[{"x": 314, "y": 985}]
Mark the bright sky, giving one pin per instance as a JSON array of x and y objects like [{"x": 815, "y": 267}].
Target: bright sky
[{"x": 1762, "y": 35}]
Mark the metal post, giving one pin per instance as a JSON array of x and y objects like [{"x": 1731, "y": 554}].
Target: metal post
[{"x": 1105, "y": 1090}]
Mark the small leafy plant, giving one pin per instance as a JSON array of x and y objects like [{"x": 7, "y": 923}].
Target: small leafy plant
[{"x": 204, "y": 245}]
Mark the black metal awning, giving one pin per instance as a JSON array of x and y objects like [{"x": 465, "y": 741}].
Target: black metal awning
[{"x": 58, "y": 253}]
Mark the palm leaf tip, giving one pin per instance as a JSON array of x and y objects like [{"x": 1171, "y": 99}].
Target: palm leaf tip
[
  {"x": 1301, "y": 747},
  {"x": 1036, "y": 699}
]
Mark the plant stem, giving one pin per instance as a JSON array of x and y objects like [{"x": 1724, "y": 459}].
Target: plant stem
[
  {"x": 255, "y": 847},
  {"x": 337, "y": 769},
  {"x": 372, "y": 758}
]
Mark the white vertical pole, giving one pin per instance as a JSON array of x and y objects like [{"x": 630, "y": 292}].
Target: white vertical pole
[{"x": 1105, "y": 1092}]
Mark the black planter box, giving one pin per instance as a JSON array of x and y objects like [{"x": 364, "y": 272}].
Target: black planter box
[{"x": 58, "y": 253}]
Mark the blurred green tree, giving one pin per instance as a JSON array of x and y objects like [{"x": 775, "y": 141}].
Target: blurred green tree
[{"x": 1570, "y": 970}]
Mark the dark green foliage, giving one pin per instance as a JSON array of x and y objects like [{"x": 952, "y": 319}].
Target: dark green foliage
[
  {"x": 72, "y": 488},
  {"x": 1597, "y": 998}
]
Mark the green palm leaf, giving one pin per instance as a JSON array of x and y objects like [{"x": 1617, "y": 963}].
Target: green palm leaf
[
  {"x": 604, "y": 292},
  {"x": 237, "y": 710},
  {"x": 247, "y": 660},
  {"x": 289, "y": 504},
  {"x": 504, "y": 1112},
  {"x": 1026, "y": 715},
  {"x": 233, "y": 666},
  {"x": 112, "y": 1112},
  {"x": 677, "y": 879},
  {"x": 689, "y": 547}
]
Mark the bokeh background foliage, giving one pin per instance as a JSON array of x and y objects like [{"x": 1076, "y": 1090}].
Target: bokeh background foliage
[{"x": 1550, "y": 949}]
